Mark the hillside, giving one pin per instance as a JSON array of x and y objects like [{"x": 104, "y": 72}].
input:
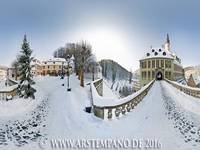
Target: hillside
[{"x": 110, "y": 68}]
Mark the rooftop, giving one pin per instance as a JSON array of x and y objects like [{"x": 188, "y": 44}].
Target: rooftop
[{"x": 158, "y": 53}]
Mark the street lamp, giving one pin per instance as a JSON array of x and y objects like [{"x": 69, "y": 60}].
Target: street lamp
[
  {"x": 62, "y": 72},
  {"x": 68, "y": 61}
]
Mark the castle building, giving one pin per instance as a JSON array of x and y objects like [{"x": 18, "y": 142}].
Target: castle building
[{"x": 160, "y": 63}]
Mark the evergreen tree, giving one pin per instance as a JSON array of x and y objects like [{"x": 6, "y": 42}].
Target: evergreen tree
[{"x": 24, "y": 89}]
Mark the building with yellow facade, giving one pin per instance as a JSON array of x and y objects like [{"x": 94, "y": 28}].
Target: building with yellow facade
[
  {"x": 160, "y": 63},
  {"x": 53, "y": 66}
]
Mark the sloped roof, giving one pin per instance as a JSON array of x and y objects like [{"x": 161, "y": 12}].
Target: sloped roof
[{"x": 158, "y": 53}]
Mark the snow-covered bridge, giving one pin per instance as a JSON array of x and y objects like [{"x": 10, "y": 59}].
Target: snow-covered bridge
[{"x": 109, "y": 108}]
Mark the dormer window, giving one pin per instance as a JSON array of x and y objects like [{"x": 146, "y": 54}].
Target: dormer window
[
  {"x": 164, "y": 53},
  {"x": 153, "y": 50},
  {"x": 156, "y": 53},
  {"x": 160, "y": 50},
  {"x": 148, "y": 54}
]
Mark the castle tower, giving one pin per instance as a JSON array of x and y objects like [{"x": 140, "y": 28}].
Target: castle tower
[{"x": 167, "y": 44}]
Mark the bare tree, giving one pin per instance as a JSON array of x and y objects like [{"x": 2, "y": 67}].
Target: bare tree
[{"x": 81, "y": 52}]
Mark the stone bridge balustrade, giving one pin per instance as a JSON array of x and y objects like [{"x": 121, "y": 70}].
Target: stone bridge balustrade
[
  {"x": 110, "y": 110},
  {"x": 9, "y": 91},
  {"x": 195, "y": 92}
]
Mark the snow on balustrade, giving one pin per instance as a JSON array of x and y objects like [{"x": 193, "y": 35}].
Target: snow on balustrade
[
  {"x": 186, "y": 89},
  {"x": 105, "y": 107},
  {"x": 8, "y": 92}
]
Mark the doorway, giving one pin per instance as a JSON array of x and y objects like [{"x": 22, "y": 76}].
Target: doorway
[{"x": 159, "y": 75}]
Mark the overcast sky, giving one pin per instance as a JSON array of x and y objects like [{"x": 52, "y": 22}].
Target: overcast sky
[{"x": 122, "y": 30}]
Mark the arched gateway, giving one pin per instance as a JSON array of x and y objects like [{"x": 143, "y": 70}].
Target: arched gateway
[{"x": 159, "y": 75}]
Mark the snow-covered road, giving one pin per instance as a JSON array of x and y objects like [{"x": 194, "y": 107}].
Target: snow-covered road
[{"x": 165, "y": 114}]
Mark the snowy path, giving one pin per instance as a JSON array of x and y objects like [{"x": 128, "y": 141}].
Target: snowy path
[
  {"x": 165, "y": 114},
  {"x": 147, "y": 121}
]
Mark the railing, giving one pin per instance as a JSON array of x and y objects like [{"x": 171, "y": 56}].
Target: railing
[
  {"x": 9, "y": 92},
  {"x": 12, "y": 82},
  {"x": 107, "y": 108},
  {"x": 188, "y": 90},
  {"x": 99, "y": 86}
]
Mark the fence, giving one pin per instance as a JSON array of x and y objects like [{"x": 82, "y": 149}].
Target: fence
[
  {"x": 9, "y": 91},
  {"x": 112, "y": 110},
  {"x": 186, "y": 89}
]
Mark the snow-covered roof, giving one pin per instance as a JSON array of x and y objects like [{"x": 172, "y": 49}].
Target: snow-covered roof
[
  {"x": 158, "y": 53},
  {"x": 57, "y": 59},
  {"x": 35, "y": 62},
  {"x": 8, "y": 88},
  {"x": 54, "y": 61}
]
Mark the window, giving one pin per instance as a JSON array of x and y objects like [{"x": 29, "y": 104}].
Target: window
[
  {"x": 157, "y": 63},
  {"x": 48, "y": 67},
  {"x": 149, "y": 64},
  {"x": 169, "y": 75},
  {"x": 144, "y": 64},
  {"x": 143, "y": 75},
  {"x": 153, "y": 74},
  {"x": 167, "y": 64},
  {"x": 153, "y": 63},
  {"x": 149, "y": 74},
  {"x": 166, "y": 74},
  {"x": 162, "y": 63}
]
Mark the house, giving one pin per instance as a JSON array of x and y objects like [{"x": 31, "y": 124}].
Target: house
[{"x": 193, "y": 81}]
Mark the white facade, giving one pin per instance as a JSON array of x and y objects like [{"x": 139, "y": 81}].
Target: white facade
[{"x": 3, "y": 73}]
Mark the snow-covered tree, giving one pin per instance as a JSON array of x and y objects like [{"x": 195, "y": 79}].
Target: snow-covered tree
[{"x": 25, "y": 89}]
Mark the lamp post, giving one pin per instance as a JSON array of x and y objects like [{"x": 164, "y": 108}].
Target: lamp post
[
  {"x": 68, "y": 61},
  {"x": 62, "y": 72}
]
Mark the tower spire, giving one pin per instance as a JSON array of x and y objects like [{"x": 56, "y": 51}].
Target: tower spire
[
  {"x": 168, "y": 41},
  {"x": 167, "y": 44}
]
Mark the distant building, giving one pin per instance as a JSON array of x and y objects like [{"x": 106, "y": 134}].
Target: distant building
[
  {"x": 52, "y": 67},
  {"x": 160, "y": 63},
  {"x": 55, "y": 66},
  {"x": 193, "y": 81},
  {"x": 36, "y": 67},
  {"x": 3, "y": 73}
]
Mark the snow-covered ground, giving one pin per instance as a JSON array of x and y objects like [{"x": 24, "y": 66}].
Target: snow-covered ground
[
  {"x": 164, "y": 114},
  {"x": 118, "y": 86}
]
